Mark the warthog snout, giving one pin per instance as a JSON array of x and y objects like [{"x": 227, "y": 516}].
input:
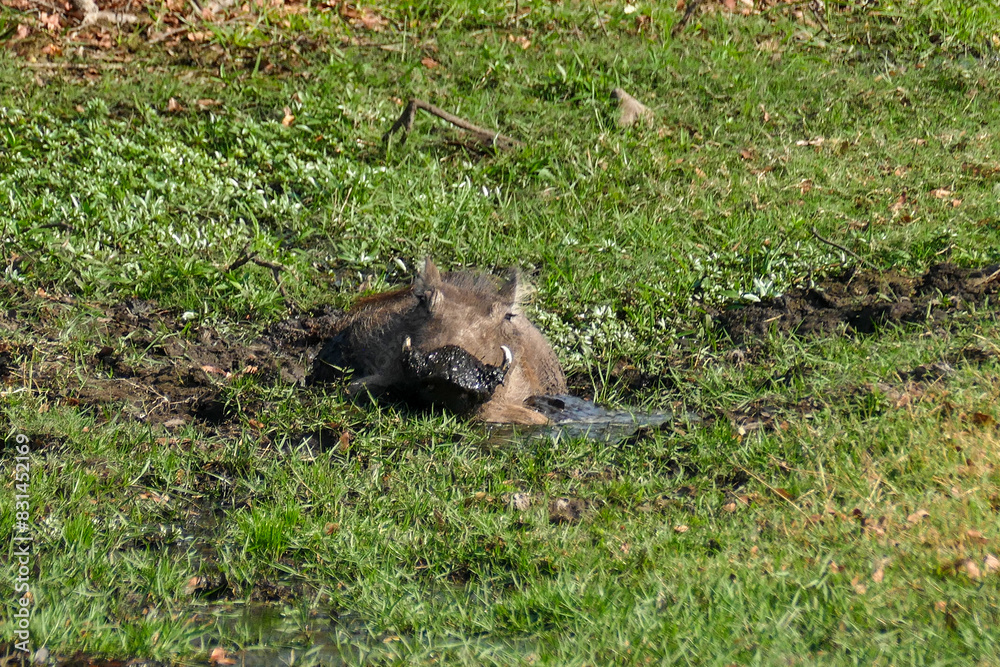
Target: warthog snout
[{"x": 451, "y": 377}]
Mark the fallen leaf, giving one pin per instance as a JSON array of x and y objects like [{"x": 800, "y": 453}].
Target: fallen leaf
[
  {"x": 941, "y": 605},
  {"x": 681, "y": 529},
  {"x": 218, "y": 656},
  {"x": 345, "y": 442},
  {"x": 255, "y": 424},
  {"x": 205, "y": 103},
  {"x": 49, "y": 21},
  {"x": 900, "y": 202},
  {"x": 21, "y": 32},
  {"x": 859, "y": 588},
  {"x": 955, "y": 203},
  {"x": 878, "y": 574},
  {"x": 785, "y": 493},
  {"x": 289, "y": 118},
  {"x": 970, "y": 568},
  {"x": 331, "y": 528},
  {"x": 429, "y": 63},
  {"x": 991, "y": 563},
  {"x": 631, "y": 110},
  {"x": 520, "y": 40},
  {"x": 52, "y": 50},
  {"x": 941, "y": 193},
  {"x": 729, "y": 507},
  {"x": 917, "y": 516},
  {"x": 975, "y": 536},
  {"x": 173, "y": 106},
  {"x": 818, "y": 141},
  {"x": 193, "y": 585},
  {"x": 982, "y": 419}
]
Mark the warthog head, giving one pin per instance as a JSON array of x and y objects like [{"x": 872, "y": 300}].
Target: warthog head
[{"x": 458, "y": 340}]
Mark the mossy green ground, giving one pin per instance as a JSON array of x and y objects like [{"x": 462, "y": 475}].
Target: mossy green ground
[{"x": 857, "y": 532}]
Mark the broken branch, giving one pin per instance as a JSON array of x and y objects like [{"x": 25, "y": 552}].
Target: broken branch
[
  {"x": 485, "y": 137},
  {"x": 92, "y": 14}
]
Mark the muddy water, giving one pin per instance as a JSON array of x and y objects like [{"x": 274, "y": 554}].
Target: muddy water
[
  {"x": 272, "y": 637},
  {"x": 573, "y": 417}
]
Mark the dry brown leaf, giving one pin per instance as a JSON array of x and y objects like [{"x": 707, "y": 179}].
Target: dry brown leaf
[
  {"x": 941, "y": 605},
  {"x": 878, "y": 574},
  {"x": 859, "y": 588},
  {"x": 729, "y": 507},
  {"x": 345, "y": 442},
  {"x": 941, "y": 193},
  {"x": 917, "y": 516},
  {"x": 681, "y": 529},
  {"x": 21, "y": 32},
  {"x": 631, "y": 110},
  {"x": 746, "y": 154},
  {"x": 520, "y": 40},
  {"x": 429, "y": 63},
  {"x": 991, "y": 563},
  {"x": 193, "y": 585},
  {"x": 784, "y": 493},
  {"x": 49, "y": 21},
  {"x": 173, "y": 106},
  {"x": 52, "y": 50},
  {"x": 982, "y": 419},
  {"x": 289, "y": 118},
  {"x": 970, "y": 568},
  {"x": 975, "y": 536},
  {"x": 218, "y": 657},
  {"x": 331, "y": 528}
]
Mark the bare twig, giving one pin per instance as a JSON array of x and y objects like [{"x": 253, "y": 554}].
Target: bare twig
[
  {"x": 688, "y": 12},
  {"x": 817, "y": 11},
  {"x": 276, "y": 271},
  {"x": 92, "y": 14},
  {"x": 597, "y": 15},
  {"x": 486, "y": 137},
  {"x": 843, "y": 249},
  {"x": 167, "y": 34}
]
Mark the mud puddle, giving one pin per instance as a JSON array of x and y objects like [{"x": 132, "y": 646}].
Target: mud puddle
[
  {"x": 272, "y": 637},
  {"x": 574, "y": 417},
  {"x": 862, "y": 301},
  {"x": 151, "y": 364}
]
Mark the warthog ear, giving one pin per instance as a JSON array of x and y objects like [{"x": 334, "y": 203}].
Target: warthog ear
[
  {"x": 427, "y": 285},
  {"x": 509, "y": 296},
  {"x": 514, "y": 290},
  {"x": 428, "y": 277}
]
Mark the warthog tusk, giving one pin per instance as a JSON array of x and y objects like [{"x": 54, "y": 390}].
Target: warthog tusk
[
  {"x": 406, "y": 344},
  {"x": 508, "y": 358}
]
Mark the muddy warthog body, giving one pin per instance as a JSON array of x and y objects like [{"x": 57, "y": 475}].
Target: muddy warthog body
[{"x": 457, "y": 340}]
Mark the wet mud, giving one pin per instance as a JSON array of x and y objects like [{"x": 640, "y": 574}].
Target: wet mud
[
  {"x": 149, "y": 363},
  {"x": 862, "y": 301}
]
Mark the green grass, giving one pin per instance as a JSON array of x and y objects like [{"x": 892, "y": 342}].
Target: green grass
[{"x": 798, "y": 548}]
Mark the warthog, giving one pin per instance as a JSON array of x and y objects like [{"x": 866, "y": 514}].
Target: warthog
[{"x": 458, "y": 340}]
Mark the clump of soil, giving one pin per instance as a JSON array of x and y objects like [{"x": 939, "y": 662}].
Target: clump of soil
[
  {"x": 863, "y": 301},
  {"x": 153, "y": 365}
]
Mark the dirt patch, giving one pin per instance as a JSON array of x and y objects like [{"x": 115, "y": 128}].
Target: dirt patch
[
  {"x": 863, "y": 301},
  {"x": 151, "y": 364}
]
